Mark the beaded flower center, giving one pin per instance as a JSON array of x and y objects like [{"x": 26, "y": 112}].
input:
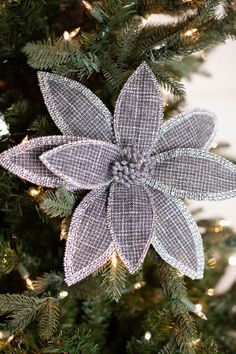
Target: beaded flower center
[{"x": 130, "y": 168}]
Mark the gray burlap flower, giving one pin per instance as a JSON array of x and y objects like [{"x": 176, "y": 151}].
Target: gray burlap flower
[{"x": 137, "y": 168}]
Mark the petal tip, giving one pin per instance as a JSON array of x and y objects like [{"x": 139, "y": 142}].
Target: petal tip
[{"x": 145, "y": 68}]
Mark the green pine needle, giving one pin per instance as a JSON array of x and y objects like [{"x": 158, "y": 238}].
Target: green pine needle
[
  {"x": 114, "y": 277},
  {"x": 23, "y": 310},
  {"x": 59, "y": 203}
]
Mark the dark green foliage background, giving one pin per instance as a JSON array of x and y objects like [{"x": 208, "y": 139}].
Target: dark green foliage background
[{"x": 111, "y": 43}]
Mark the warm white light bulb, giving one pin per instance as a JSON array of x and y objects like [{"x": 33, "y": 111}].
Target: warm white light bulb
[
  {"x": 232, "y": 260},
  {"x": 198, "y": 307},
  {"x": 66, "y": 36},
  {"x": 147, "y": 335},
  {"x": 114, "y": 260},
  {"x": 62, "y": 294}
]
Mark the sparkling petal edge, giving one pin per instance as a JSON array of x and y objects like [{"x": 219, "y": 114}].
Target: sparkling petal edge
[
  {"x": 160, "y": 111},
  {"x": 56, "y": 116},
  {"x": 72, "y": 277},
  {"x": 117, "y": 248},
  {"x": 164, "y": 156},
  {"x": 26, "y": 174},
  {"x": 197, "y": 240},
  {"x": 172, "y": 122},
  {"x": 70, "y": 180}
]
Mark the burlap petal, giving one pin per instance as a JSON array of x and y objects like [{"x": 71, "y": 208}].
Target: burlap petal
[
  {"x": 194, "y": 174},
  {"x": 177, "y": 239},
  {"x": 74, "y": 108},
  {"x": 138, "y": 111},
  {"x": 191, "y": 129},
  {"x": 86, "y": 164},
  {"x": 23, "y": 159},
  {"x": 131, "y": 223},
  {"x": 89, "y": 243}
]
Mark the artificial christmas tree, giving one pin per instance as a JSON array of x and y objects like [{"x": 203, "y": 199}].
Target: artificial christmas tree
[{"x": 101, "y": 44}]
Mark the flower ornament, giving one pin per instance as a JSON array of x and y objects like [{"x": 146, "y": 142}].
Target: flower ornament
[{"x": 137, "y": 169}]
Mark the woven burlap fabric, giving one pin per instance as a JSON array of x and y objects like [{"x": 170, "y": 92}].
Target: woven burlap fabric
[
  {"x": 137, "y": 167},
  {"x": 177, "y": 239},
  {"x": 90, "y": 166},
  {"x": 194, "y": 174},
  {"x": 24, "y": 159},
  {"x": 86, "y": 250},
  {"x": 140, "y": 99},
  {"x": 131, "y": 232},
  {"x": 74, "y": 108},
  {"x": 194, "y": 128}
]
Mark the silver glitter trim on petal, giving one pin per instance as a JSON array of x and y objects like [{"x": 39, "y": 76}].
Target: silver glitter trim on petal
[
  {"x": 89, "y": 244},
  {"x": 86, "y": 164},
  {"x": 131, "y": 219},
  {"x": 139, "y": 111},
  {"x": 193, "y": 174},
  {"x": 74, "y": 108},
  {"x": 177, "y": 239},
  {"x": 23, "y": 159},
  {"x": 195, "y": 128}
]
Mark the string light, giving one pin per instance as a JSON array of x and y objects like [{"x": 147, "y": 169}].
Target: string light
[
  {"x": 63, "y": 294},
  {"x": 199, "y": 312},
  {"x": 26, "y": 138},
  {"x": 93, "y": 11},
  {"x": 35, "y": 192},
  {"x": 25, "y": 275},
  {"x": 114, "y": 260},
  {"x": 180, "y": 274},
  {"x": 87, "y": 5},
  {"x": 196, "y": 341},
  {"x": 232, "y": 260},
  {"x": 68, "y": 36},
  {"x": 29, "y": 283},
  {"x": 191, "y": 33},
  {"x": 212, "y": 262},
  {"x": 148, "y": 335},
  {"x": 214, "y": 144},
  {"x": 197, "y": 309},
  {"x": 139, "y": 285},
  {"x": 4, "y": 335},
  {"x": 210, "y": 292},
  {"x": 10, "y": 338}
]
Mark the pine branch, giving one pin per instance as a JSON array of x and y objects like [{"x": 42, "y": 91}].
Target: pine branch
[
  {"x": 58, "y": 203},
  {"x": 172, "y": 7},
  {"x": 65, "y": 224},
  {"x": 48, "y": 319},
  {"x": 23, "y": 310},
  {"x": 166, "y": 80},
  {"x": 114, "y": 277},
  {"x": 49, "y": 53},
  {"x": 175, "y": 289},
  {"x": 8, "y": 258},
  {"x": 114, "y": 74},
  {"x": 47, "y": 281},
  {"x": 81, "y": 341}
]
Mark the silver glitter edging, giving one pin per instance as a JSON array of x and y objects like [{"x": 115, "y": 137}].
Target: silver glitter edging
[
  {"x": 6, "y": 159},
  {"x": 171, "y": 191},
  {"x": 71, "y": 276},
  {"x": 198, "y": 274},
  {"x": 54, "y": 113},
  {"x": 70, "y": 180},
  {"x": 187, "y": 115},
  {"x": 160, "y": 108},
  {"x": 118, "y": 249}
]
